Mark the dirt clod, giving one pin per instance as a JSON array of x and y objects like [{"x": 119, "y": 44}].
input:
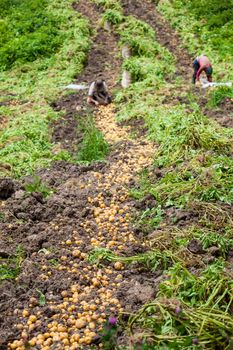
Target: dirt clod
[
  {"x": 195, "y": 246},
  {"x": 7, "y": 188}
]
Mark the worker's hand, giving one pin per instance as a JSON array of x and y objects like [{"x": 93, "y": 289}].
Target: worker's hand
[
  {"x": 197, "y": 84},
  {"x": 96, "y": 103}
]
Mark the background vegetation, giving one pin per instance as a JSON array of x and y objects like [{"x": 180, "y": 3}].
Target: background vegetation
[
  {"x": 28, "y": 31},
  {"x": 57, "y": 39}
]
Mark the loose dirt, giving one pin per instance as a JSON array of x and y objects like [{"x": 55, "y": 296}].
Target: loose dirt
[{"x": 168, "y": 37}]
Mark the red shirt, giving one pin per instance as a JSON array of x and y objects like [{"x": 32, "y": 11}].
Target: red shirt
[{"x": 204, "y": 63}]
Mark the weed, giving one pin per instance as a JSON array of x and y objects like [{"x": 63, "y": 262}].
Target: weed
[
  {"x": 2, "y": 216},
  {"x": 112, "y": 16},
  {"x": 38, "y": 186},
  {"x": 42, "y": 299},
  {"x": 93, "y": 146},
  {"x": 109, "y": 334},
  {"x": 53, "y": 262},
  {"x": 109, "y": 4},
  {"x": 149, "y": 219},
  {"x": 10, "y": 268},
  {"x": 210, "y": 239}
]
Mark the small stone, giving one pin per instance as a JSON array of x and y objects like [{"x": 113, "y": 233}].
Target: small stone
[{"x": 19, "y": 194}]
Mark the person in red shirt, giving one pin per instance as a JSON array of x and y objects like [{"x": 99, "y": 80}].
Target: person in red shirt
[{"x": 202, "y": 63}]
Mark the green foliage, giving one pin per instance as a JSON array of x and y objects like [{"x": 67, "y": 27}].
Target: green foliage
[
  {"x": 209, "y": 239},
  {"x": 94, "y": 146},
  {"x": 112, "y": 16},
  {"x": 209, "y": 182},
  {"x": 38, "y": 186},
  {"x": 149, "y": 219},
  {"x": 178, "y": 132},
  {"x": 25, "y": 140},
  {"x": 216, "y": 13},
  {"x": 143, "y": 68},
  {"x": 189, "y": 307},
  {"x": 42, "y": 299},
  {"x": 141, "y": 39},
  {"x": 109, "y": 4},
  {"x": 10, "y": 268},
  {"x": 219, "y": 94},
  {"x": 151, "y": 259},
  {"x": 204, "y": 25},
  {"x": 109, "y": 336},
  {"x": 28, "y": 31},
  {"x": 196, "y": 290}
]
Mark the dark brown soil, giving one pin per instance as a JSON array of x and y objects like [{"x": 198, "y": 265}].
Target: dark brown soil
[
  {"x": 167, "y": 37},
  {"x": 6, "y": 188}
]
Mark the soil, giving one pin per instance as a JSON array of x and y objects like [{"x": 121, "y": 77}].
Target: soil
[
  {"x": 6, "y": 188},
  {"x": 168, "y": 37}
]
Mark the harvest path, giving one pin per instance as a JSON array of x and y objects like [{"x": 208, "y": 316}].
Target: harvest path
[
  {"x": 79, "y": 311},
  {"x": 91, "y": 208}
]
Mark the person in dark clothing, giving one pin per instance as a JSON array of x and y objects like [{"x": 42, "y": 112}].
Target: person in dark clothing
[
  {"x": 202, "y": 63},
  {"x": 98, "y": 93}
]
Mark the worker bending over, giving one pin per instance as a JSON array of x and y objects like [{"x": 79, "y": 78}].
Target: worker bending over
[
  {"x": 98, "y": 93},
  {"x": 202, "y": 63}
]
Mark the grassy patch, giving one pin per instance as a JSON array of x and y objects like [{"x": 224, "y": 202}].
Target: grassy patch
[
  {"x": 218, "y": 95},
  {"x": 26, "y": 140},
  {"x": 204, "y": 28},
  {"x": 213, "y": 22},
  {"x": 10, "y": 268},
  {"x": 38, "y": 186},
  {"x": 112, "y": 16},
  {"x": 93, "y": 146},
  {"x": 109, "y": 4},
  {"x": 25, "y": 40}
]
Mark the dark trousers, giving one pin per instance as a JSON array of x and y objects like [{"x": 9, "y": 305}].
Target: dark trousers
[
  {"x": 102, "y": 98},
  {"x": 196, "y": 66}
]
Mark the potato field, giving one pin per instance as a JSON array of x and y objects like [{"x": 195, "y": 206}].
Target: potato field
[{"x": 116, "y": 220}]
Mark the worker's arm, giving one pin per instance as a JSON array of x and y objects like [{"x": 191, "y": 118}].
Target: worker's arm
[
  {"x": 105, "y": 86},
  {"x": 90, "y": 98},
  {"x": 91, "y": 89},
  {"x": 199, "y": 73}
]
